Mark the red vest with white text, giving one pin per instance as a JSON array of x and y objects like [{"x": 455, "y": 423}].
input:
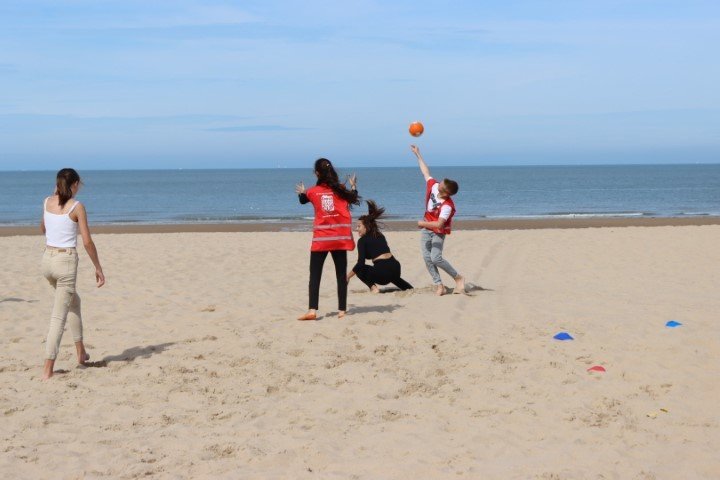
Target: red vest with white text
[
  {"x": 434, "y": 214},
  {"x": 332, "y": 227}
]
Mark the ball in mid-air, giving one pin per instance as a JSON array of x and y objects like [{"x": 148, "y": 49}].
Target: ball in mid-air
[{"x": 416, "y": 129}]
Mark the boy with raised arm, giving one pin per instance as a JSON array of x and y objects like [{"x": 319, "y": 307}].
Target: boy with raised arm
[{"x": 436, "y": 224}]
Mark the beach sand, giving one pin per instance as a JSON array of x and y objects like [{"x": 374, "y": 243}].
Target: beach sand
[{"x": 202, "y": 371}]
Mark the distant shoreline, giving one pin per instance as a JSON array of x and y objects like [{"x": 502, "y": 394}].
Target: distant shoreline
[
  {"x": 410, "y": 166},
  {"x": 399, "y": 225}
]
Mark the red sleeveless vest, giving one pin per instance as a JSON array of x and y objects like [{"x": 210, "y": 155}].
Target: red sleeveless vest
[
  {"x": 332, "y": 227},
  {"x": 434, "y": 215}
]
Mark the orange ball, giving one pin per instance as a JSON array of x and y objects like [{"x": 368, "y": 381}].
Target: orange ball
[{"x": 416, "y": 129}]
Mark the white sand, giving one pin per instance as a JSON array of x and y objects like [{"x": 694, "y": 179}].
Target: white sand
[{"x": 209, "y": 375}]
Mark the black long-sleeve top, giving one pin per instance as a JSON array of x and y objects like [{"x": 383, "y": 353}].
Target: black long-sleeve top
[{"x": 369, "y": 247}]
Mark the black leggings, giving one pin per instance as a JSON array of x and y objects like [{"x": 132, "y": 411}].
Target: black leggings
[
  {"x": 381, "y": 273},
  {"x": 317, "y": 260}
]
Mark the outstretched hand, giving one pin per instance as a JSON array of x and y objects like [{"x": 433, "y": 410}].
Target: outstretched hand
[
  {"x": 415, "y": 149},
  {"x": 352, "y": 179},
  {"x": 300, "y": 188}
]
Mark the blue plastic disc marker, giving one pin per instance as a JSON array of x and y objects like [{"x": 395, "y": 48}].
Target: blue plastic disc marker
[
  {"x": 673, "y": 324},
  {"x": 563, "y": 336}
]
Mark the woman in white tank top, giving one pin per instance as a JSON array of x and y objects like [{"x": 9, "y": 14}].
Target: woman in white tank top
[{"x": 63, "y": 217}]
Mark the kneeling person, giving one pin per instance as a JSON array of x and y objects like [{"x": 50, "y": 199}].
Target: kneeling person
[{"x": 372, "y": 245}]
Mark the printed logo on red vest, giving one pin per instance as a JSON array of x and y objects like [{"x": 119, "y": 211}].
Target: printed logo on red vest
[{"x": 328, "y": 204}]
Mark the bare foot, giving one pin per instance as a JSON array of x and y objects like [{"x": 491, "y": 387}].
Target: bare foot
[
  {"x": 48, "y": 369},
  {"x": 310, "y": 315},
  {"x": 459, "y": 284},
  {"x": 440, "y": 290},
  {"x": 341, "y": 313},
  {"x": 375, "y": 289},
  {"x": 82, "y": 355}
]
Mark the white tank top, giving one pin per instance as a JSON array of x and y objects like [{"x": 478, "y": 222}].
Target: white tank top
[{"x": 60, "y": 230}]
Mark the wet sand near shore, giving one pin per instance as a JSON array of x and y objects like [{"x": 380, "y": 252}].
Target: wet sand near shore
[{"x": 399, "y": 225}]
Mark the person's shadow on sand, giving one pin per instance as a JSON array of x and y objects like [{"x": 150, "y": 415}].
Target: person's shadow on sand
[
  {"x": 469, "y": 288},
  {"x": 373, "y": 309},
  {"x": 130, "y": 354},
  {"x": 13, "y": 299}
]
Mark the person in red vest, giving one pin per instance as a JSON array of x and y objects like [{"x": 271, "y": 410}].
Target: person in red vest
[
  {"x": 332, "y": 230},
  {"x": 436, "y": 224}
]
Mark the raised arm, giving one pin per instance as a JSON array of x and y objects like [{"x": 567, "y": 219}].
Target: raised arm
[
  {"x": 352, "y": 179},
  {"x": 302, "y": 196},
  {"x": 89, "y": 244},
  {"x": 423, "y": 166}
]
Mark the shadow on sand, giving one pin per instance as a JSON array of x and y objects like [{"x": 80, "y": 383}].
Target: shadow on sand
[
  {"x": 373, "y": 309},
  {"x": 358, "y": 310},
  {"x": 130, "y": 354},
  {"x": 13, "y": 299}
]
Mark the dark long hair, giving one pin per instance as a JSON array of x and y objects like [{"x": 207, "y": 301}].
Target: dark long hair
[
  {"x": 370, "y": 220},
  {"x": 328, "y": 176},
  {"x": 65, "y": 179}
]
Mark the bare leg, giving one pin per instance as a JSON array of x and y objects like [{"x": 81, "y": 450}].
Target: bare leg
[
  {"x": 459, "y": 284},
  {"x": 82, "y": 355},
  {"x": 48, "y": 369}
]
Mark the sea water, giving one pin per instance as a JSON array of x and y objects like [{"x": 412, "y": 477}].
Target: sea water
[{"x": 268, "y": 195}]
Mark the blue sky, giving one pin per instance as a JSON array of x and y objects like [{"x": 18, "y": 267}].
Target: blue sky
[{"x": 224, "y": 84}]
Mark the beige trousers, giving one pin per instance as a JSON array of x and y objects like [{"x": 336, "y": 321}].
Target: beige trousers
[{"x": 59, "y": 266}]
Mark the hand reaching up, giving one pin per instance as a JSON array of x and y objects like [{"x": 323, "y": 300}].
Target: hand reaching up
[{"x": 352, "y": 179}]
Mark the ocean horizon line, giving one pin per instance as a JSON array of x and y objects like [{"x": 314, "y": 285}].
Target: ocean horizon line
[{"x": 340, "y": 166}]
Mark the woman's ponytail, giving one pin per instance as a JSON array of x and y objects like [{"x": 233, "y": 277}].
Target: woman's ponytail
[
  {"x": 370, "y": 220},
  {"x": 328, "y": 176},
  {"x": 66, "y": 178}
]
